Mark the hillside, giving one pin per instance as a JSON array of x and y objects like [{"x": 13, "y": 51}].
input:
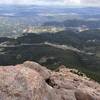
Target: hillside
[{"x": 80, "y": 50}]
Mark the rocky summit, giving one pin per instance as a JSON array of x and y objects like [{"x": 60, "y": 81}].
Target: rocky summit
[{"x": 31, "y": 81}]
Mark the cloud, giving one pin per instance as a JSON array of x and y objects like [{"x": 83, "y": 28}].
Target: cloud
[
  {"x": 83, "y": 2},
  {"x": 16, "y": 1},
  {"x": 91, "y": 2},
  {"x": 53, "y": 2}
]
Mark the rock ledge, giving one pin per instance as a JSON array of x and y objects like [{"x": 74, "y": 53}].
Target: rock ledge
[{"x": 31, "y": 81}]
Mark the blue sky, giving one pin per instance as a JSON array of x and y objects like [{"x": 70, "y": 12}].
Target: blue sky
[{"x": 54, "y": 2}]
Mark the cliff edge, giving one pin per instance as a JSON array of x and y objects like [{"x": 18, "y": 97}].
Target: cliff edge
[{"x": 31, "y": 81}]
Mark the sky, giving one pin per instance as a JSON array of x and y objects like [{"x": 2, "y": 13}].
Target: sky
[{"x": 53, "y": 2}]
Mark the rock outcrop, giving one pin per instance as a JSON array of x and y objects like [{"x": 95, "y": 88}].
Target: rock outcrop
[
  {"x": 31, "y": 81},
  {"x": 43, "y": 71}
]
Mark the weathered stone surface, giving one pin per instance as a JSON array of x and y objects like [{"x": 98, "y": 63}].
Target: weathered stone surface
[
  {"x": 74, "y": 87},
  {"x": 44, "y": 72},
  {"x": 31, "y": 81},
  {"x": 22, "y": 83},
  {"x": 83, "y": 96}
]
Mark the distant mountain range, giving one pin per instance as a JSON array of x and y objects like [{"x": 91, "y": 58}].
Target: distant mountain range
[{"x": 6, "y": 10}]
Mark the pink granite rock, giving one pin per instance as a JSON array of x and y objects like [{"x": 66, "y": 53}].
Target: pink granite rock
[{"x": 31, "y": 81}]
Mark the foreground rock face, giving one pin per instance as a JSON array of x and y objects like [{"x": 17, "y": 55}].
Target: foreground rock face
[
  {"x": 22, "y": 83},
  {"x": 31, "y": 81}
]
